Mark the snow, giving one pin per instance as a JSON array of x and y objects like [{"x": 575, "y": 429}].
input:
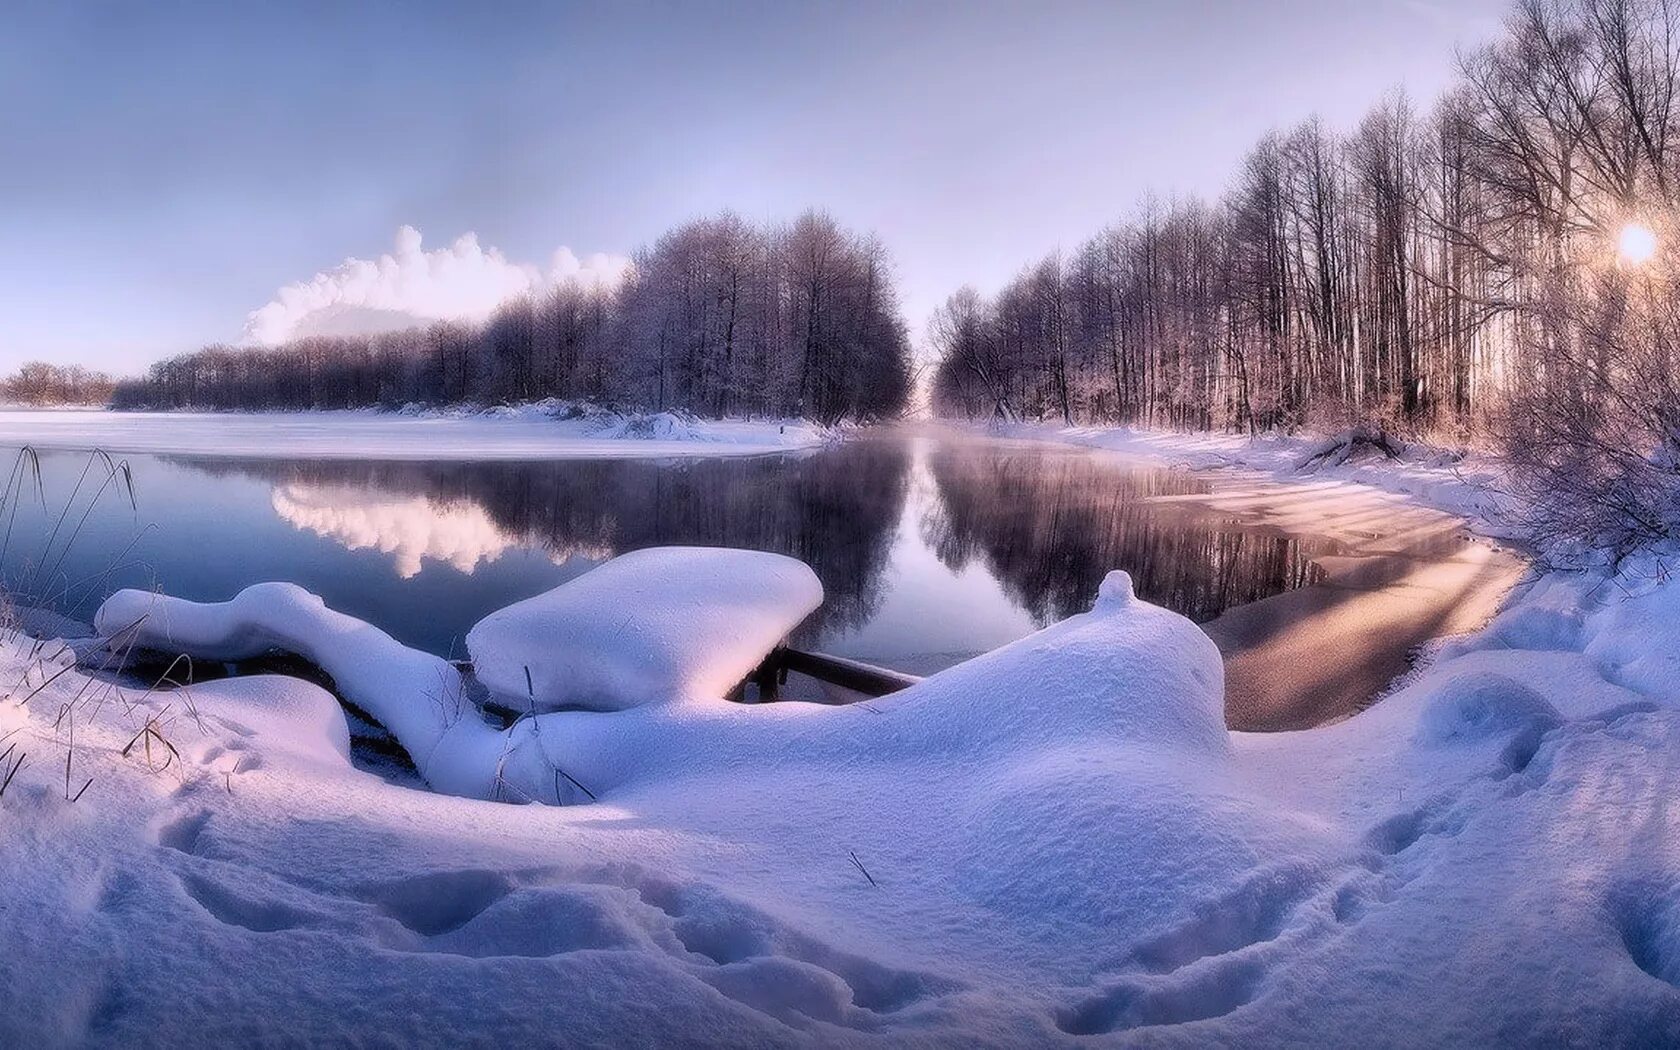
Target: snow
[
  {"x": 669, "y": 625},
  {"x": 1446, "y": 479},
  {"x": 653, "y": 625},
  {"x": 420, "y": 698},
  {"x": 1057, "y": 843},
  {"x": 530, "y": 432}
]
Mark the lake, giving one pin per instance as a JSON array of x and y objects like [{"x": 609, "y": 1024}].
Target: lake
[{"x": 932, "y": 546}]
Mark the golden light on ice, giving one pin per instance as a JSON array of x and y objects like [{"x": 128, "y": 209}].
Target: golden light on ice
[{"x": 1636, "y": 244}]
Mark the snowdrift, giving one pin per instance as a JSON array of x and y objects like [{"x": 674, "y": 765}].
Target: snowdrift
[
  {"x": 656, "y": 624},
  {"x": 695, "y": 620},
  {"x": 1055, "y": 844}
]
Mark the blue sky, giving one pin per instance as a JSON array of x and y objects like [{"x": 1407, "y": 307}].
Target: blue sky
[{"x": 169, "y": 166}]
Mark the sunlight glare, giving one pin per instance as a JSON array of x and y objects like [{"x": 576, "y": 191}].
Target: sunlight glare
[{"x": 1637, "y": 244}]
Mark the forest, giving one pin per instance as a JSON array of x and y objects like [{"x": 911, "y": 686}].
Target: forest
[
  {"x": 1496, "y": 267},
  {"x": 720, "y": 317},
  {"x": 1499, "y": 265},
  {"x": 41, "y": 383}
]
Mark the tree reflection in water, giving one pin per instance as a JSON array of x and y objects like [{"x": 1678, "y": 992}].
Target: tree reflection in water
[
  {"x": 837, "y": 510},
  {"x": 887, "y": 516},
  {"x": 1048, "y": 524}
]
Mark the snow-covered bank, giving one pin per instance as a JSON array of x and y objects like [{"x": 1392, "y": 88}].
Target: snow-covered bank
[
  {"x": 667, "y": 627},
  {"x": 529, "y": 433},
  {"x": 1057, "y": 843},
  {"x": 1402, "y": 573},
  {"x": 1444, "y": 480},
  {"x": 1397, "y": 577}
]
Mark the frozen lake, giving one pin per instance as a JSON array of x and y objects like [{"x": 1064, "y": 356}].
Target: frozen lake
[{"x": 931, "y": 546}]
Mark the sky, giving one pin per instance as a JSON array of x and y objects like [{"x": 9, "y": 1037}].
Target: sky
[{"x": 167, "y": 168}]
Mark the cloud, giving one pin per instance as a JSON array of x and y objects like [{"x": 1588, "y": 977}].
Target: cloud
[{"x": 410, "y": 285}]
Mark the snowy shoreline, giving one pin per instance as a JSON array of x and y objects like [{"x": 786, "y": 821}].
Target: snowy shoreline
[
  {"x": 532, "y": 432},
  {"x": 1056, "y": 841},
  {"x": 1450, "y": 482},
  {"x": 1407, "y": 575}
]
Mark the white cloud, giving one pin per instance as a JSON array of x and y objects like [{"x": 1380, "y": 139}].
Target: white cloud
[{"x": 411, "y": 285}]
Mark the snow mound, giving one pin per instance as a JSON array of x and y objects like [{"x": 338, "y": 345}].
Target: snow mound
[
  {"x": 1635, "y": 633},
  {"x": 1536, "y": 627},
  {"x": 420, "y": 698},
  {"x": 1126, "y": 671},
  {"x": 651, "y": 625},
  {"x": 1127, "y": 678},
  {"x": 667, "y": 426},
  {"x": 1482, "y": 705},
  {"x": 279, "y": 715}
]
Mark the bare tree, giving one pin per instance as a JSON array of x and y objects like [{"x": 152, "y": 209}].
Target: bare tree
[{"x": 718, "y": 316}]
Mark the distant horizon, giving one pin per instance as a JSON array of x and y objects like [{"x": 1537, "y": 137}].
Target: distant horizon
[{"x": 327, "y": 140}]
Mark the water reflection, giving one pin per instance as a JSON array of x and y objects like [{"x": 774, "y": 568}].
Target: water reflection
[
  {"x": 413, "y": 530},
  {"x": 1049, "y": 524},
  {"x": 931, "y": 547},
  {"x": 837, "y": 511}
]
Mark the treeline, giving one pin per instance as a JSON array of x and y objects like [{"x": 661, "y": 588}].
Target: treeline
[
  {"x": 1503, "y": 262},
  {"x": 719, "y": 317},
  {"x": 40, "y": 383},
  {"x": 1332, "y": 282}
]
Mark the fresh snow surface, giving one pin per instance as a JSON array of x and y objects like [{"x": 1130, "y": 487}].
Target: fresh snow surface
[
  {"x": 637, "y": 630},
  {"x": 1449, "y": 480},
  {"x": 656, "y": 624},
  {"x": 1057, "y": 843},
  {"x": 545, "y": 430}
]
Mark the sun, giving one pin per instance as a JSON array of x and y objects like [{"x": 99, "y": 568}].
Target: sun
[{"x": 1637, "y": 243}]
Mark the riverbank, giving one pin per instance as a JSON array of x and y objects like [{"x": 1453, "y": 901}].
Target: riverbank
[
  {"x": 1403, "y": 577},
  {"x": 1053, "y": 844},
  {"x": 525, "y": 433},
  {"x": 1422, "y": 553},
  {"x": 1451, "y": 481}
]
